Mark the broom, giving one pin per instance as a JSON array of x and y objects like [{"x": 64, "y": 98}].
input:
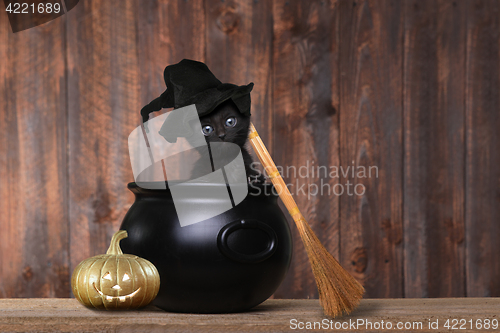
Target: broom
[{"x": 338, "y": 291}]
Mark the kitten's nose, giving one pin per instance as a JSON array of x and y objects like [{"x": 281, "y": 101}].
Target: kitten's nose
[{"x": 222, "y": 136}]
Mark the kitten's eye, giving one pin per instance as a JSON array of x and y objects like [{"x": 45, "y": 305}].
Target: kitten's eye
[
  {"x": 230, "y": 122},
  {"x": 207, "y": 130}
]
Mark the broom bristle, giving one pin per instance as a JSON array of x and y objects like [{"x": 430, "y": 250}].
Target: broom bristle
[{"x": 339, "y": 292}]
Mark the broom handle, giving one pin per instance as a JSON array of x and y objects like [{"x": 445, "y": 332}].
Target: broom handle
[
  {"x": 273, "y": 173},
  {"x": 338, "y": 291}
]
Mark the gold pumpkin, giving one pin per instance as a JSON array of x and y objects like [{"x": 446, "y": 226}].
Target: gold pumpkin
[{"x": 115, "y": 280}]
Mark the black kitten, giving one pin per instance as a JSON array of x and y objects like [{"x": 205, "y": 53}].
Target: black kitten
[{"x": 227, "y": 124}]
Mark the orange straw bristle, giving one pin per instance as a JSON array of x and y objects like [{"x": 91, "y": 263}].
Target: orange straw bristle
[{"x": 339, "y": 292}]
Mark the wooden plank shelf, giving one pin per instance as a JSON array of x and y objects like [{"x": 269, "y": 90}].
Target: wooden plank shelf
[{"x": 49, "y": 315}]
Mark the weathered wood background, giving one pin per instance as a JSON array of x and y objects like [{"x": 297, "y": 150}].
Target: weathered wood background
[{"x": 411, "y": 87}]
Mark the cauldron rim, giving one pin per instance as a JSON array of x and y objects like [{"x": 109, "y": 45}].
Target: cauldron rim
[{"x": 259, "y": 188}]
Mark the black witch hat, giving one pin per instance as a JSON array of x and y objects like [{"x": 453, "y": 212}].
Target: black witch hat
[{"x": 191, "y": 82}]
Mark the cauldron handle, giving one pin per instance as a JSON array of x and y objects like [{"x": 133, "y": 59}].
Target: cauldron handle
[{"x": 224, "y": 233}]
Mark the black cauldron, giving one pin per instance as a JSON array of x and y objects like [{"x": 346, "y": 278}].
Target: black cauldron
[{"x": 228, "y": 263}]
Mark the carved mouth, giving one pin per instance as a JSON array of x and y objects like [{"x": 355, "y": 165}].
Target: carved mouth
[{"x": 121, "y": 298}]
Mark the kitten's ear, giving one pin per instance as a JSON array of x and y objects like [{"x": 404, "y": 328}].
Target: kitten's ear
[{"x": 243, "y": 102}]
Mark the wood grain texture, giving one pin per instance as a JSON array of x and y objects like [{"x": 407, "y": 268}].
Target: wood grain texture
[
  {"x": 168, "y": 31},
  {"x": 305, "y": 124},
  {"x": 103, "y": 96},
  {"x": 333, "y": 84},
  {"x": 33, "y": 172},
  {"x": 371, "y": 143},
  {"x": 50, "y": 315},
  {"x": 434, "y": 113},
  {"x": 483, "y": 148},
  {"x": 239, "y": 50}
]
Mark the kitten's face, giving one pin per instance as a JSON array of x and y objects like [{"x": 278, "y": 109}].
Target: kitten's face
[{"x": 226, "y": 124}]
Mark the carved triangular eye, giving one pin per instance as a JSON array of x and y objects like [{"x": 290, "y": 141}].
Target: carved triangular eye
[
  {"x": 107, "y": 276},
  {"x": 126, "y": 277}
]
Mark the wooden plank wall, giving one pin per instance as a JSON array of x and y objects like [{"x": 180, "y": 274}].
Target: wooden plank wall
[
  {"x": 34, "y": 223},
  {"x": 371, "y": 135},
  {"x": 434, "y": 76},
  {"x": 408, "y": 87},
  {"x": 482, "y": 124}
]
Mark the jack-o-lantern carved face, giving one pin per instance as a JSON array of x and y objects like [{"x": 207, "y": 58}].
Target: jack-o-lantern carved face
[
  {"x": 117, "y": 287},
  {"x": 115, "y": 280}
]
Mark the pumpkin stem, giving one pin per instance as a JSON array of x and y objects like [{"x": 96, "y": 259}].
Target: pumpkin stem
[{"x": 114, "y": 247}]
